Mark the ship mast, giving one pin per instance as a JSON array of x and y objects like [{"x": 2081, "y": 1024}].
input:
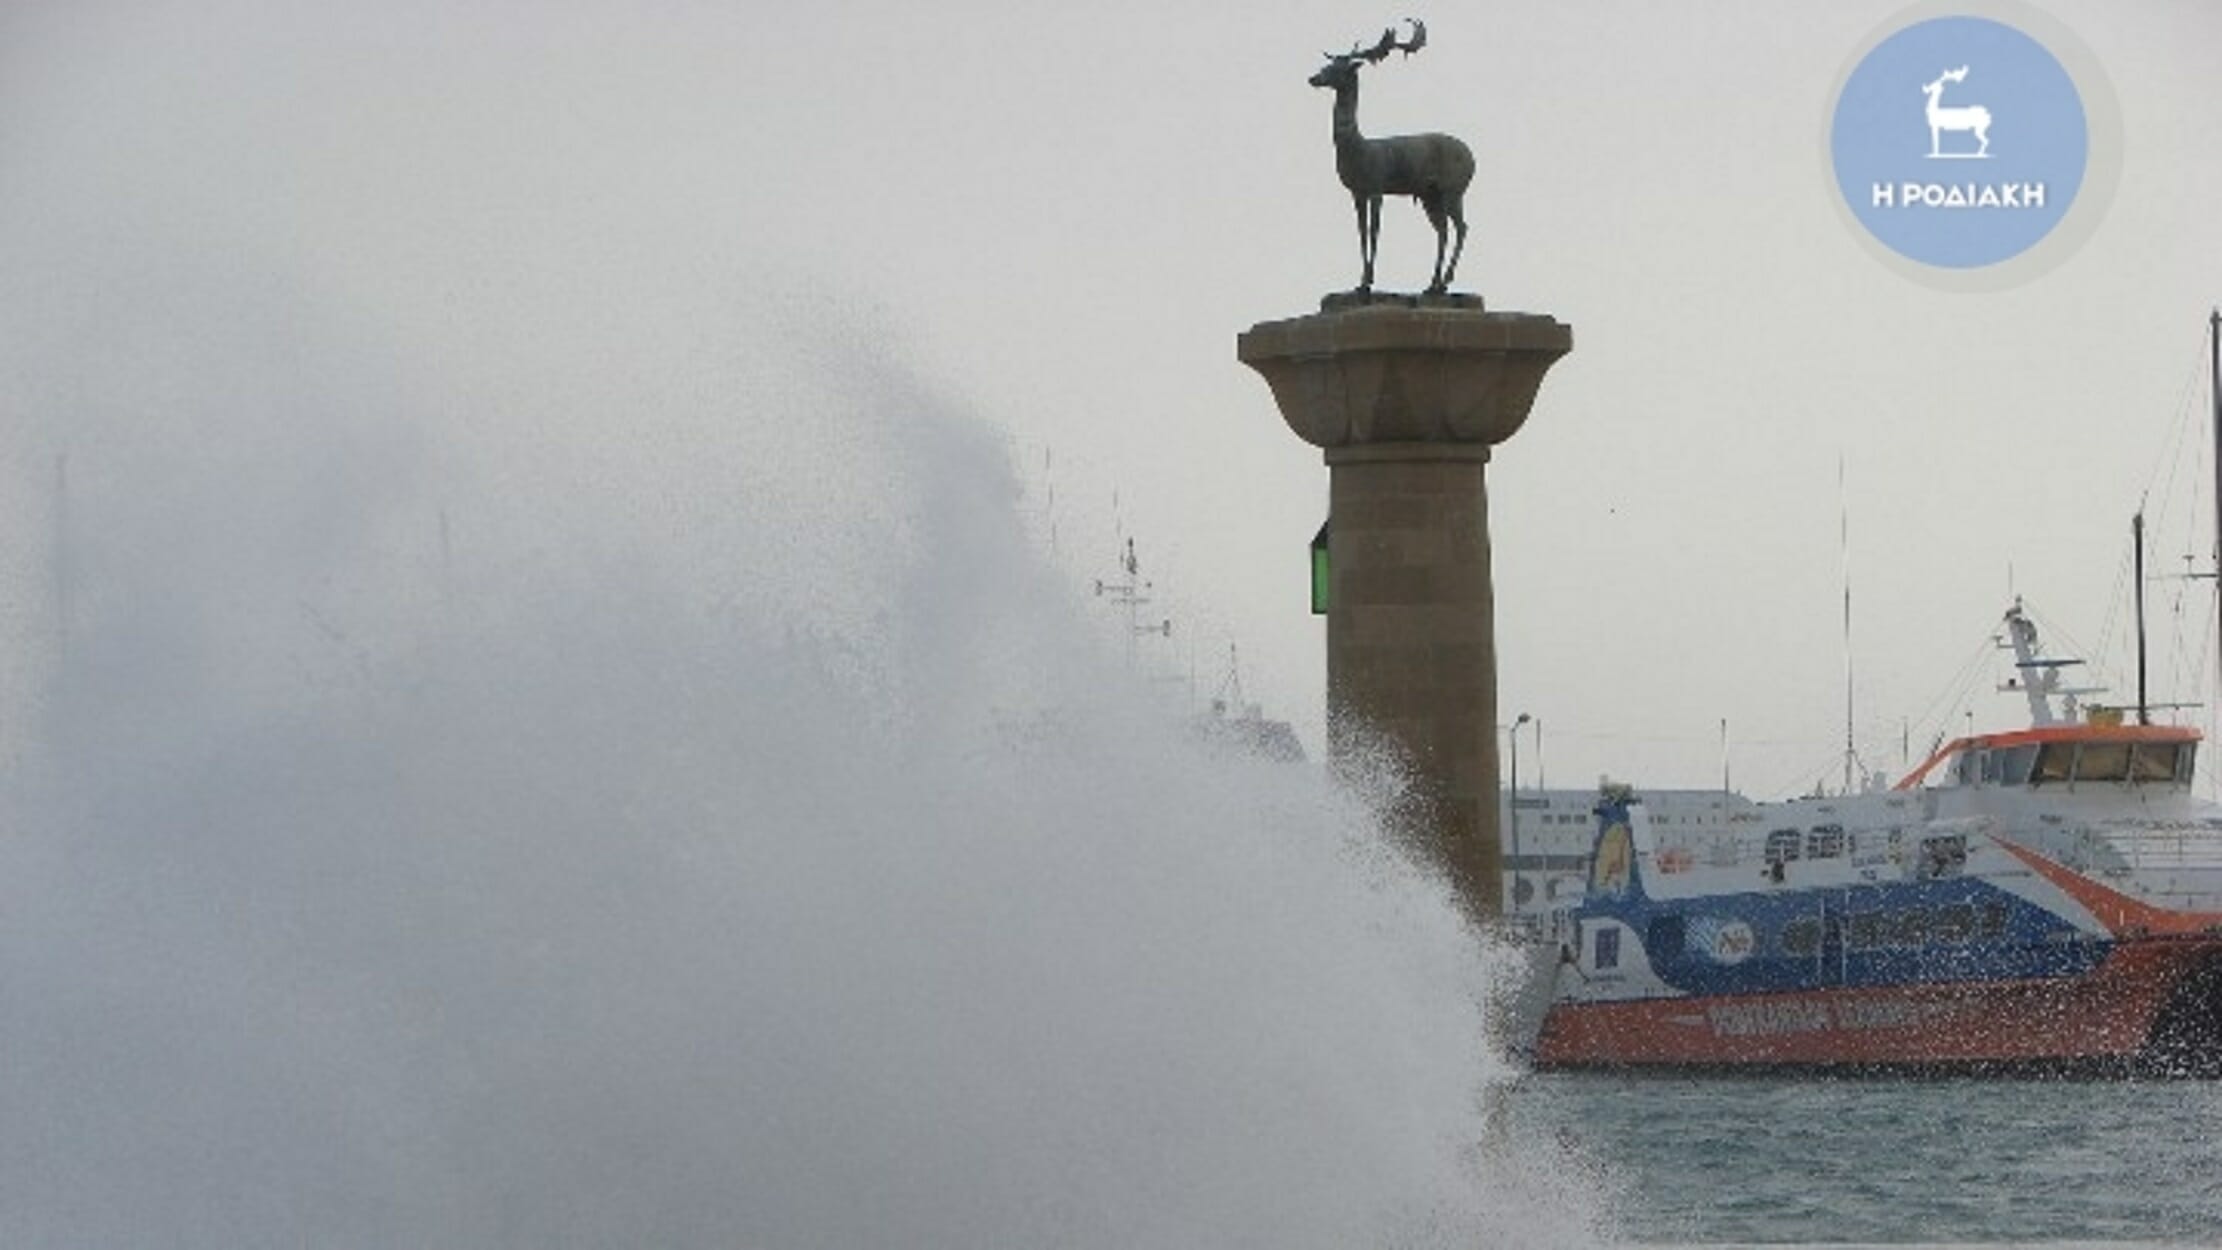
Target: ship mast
[
  {"x": 2037, "y": 675},
  {"x": 2137, "y": 545},
  {"x": 1844, "y": 545},
  {"x": 2214, "y": 392}
]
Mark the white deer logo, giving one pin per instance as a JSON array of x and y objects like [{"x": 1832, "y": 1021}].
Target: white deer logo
[{"x": 1974, "y": 118}]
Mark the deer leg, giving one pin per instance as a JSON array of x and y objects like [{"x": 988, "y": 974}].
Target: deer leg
[
  {"x": 1365, "y": 259},
  {"x": 1369, "y": 235},
  {"x": 1458, "y": 249},
  {"x": 1437, "y": 281},
  {"x": 1365, "y": 253}
]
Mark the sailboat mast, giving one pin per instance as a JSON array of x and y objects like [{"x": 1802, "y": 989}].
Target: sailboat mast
[
  {"x": 2137, "y": 546},
  {"x": 1844, "y": 543},
  {"x": 2214, "y": 393}
]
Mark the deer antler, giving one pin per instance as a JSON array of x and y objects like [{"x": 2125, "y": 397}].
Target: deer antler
[
  {"x": 1385, "y": 45},
  {"x": 1390, "y": 44},
  {"x": 1950, "y": 75}
]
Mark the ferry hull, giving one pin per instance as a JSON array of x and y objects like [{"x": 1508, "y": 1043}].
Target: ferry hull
[{"x": 2152, "y": 1006}]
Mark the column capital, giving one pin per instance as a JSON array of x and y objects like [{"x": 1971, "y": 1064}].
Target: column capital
[{"x": 1390, "y": 373}]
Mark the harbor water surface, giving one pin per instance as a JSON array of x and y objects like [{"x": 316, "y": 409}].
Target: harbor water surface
[{"x": 1780, "y": 1160}]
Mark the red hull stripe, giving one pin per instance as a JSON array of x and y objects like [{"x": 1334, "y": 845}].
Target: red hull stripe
[{"x": 2106, "y": 1014}]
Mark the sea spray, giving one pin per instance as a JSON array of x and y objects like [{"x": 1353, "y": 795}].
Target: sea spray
[
  {"x": 512, "y": 769},
  {"x": 593, "y": 900}
]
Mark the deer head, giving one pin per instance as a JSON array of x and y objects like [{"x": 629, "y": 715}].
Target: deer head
[{"x": 1341, "y": 69}]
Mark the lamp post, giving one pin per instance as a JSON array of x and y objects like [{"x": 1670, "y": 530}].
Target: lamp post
[{"x": 1512, "y": 807}]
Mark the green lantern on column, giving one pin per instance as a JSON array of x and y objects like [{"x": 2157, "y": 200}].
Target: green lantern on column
[{"x": 1319, "y": 569}]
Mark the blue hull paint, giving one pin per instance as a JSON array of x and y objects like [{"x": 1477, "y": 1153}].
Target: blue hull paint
[
  {"x": 1951, "y": 929},
  {"x": 2025, "y": 946}
]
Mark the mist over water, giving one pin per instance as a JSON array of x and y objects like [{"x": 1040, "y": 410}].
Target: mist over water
[
  {"x": 700, "y": 874},
  {"x": 517, "y": 771}
]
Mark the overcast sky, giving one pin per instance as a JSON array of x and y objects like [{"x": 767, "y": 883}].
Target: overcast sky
[{"x": 1061, "y": 216}]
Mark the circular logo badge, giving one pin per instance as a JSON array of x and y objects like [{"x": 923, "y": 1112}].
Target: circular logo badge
[{"x": 1960, "y": 143}]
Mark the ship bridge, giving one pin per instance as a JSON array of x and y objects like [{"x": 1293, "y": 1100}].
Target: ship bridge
[
  {"x": 2049, "y": 755},
  {"x": 2066, "y": 744}
]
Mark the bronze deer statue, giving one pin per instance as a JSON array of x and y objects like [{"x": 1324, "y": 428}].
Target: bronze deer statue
[{"x": 1433, "y": 169}]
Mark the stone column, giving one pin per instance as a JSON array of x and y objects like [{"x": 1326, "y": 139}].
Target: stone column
[{"x": 1406, "y": 397}]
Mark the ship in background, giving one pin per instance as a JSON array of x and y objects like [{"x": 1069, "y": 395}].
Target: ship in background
[
  {"x": 2042, "y": 898},
  {"x": 2048, "y": 897}
]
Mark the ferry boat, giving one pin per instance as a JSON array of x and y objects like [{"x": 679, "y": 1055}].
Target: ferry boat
[{"x": 2044, "y": 898}]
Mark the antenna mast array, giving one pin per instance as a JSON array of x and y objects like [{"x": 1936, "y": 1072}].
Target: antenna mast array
[{"x": 1132, "y": 593}]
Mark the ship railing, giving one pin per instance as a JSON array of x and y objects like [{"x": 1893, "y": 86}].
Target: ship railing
[
  {"x": 2174, "y": 864},
  {"x": 2158, "y": 849},
  {"x": 1827, "y": 842}
]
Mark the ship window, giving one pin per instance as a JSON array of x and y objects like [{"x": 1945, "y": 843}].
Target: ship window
[
  {"x": 1824, "y": 842},
  {"x": 1664, "y": 942},
  {"x": 1987, "y": 762},
  {"x": 1942, "y": 856},
  {"x": 2014, "y": 768},
  {"x": 1801, "y": 936},
  {"x": 1606, "y": 952},
  {"x": 2055, "y": 760},
  {"x": 1963, "y": 767},
  {"x": 1953, "y": 923},
  {"x": 2103, "y": 761},
  {"x": 1909, "y": 928},
  {"x": 2153, "y": 761},
  {"x": 1991, "y": 921},
  {"x": 2185, "y": 757},
  {"x": 1782, "y": 845},
  {"x": 1864, "y": 929}
]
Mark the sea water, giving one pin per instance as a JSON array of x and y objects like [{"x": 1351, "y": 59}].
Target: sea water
[{"x": 1778, "y": 1160}]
